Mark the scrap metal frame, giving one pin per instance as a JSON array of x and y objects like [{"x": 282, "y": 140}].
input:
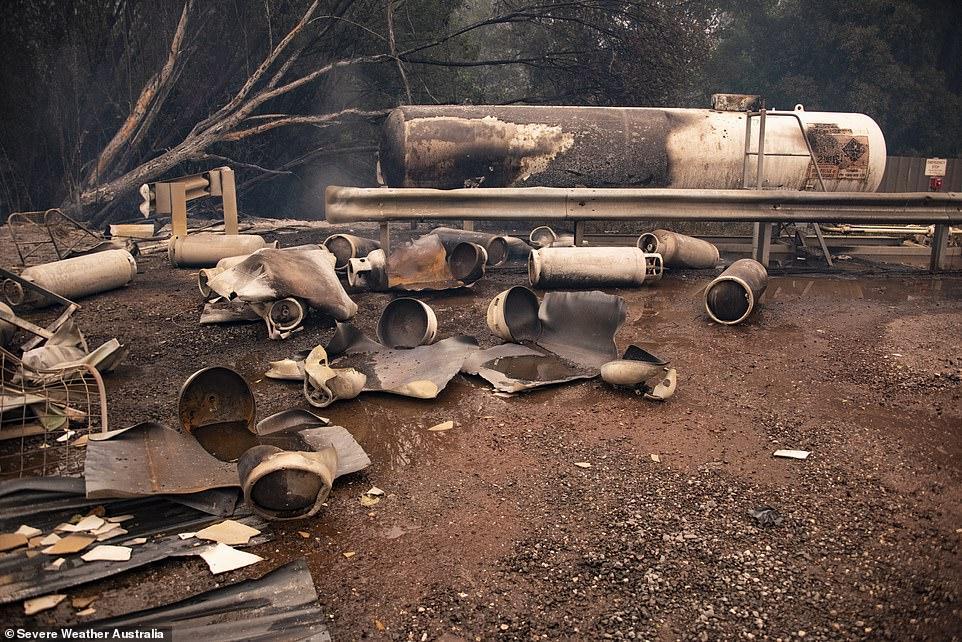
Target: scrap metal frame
[
  {"x": 44, "y": 223},
  {"x": 170, "y": 197}
]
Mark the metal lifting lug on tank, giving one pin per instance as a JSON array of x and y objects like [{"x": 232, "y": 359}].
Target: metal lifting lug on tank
[{"x": 634, "y": 163}]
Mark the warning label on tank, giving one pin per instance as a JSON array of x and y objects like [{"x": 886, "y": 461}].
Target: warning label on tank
[{"x": 839, "y": 153}]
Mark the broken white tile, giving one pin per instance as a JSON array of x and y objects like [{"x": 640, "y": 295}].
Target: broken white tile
[
  {"x": 70, "y": 544},
  {"x": 82, "y": 602},
  {"x": 655, "y": 458},
  {"x": 66, "y": 436},
  {"x": 135, "y": 541},
  {"x": 28, "y": 531},
  {"x": 187, "y": 535},
  {"x": 88, "y": 523},
  {"x": 81, "y": 441},
  {"x": 228, "y": 532},
  {"x": 582, "y": 464},
  {"x": 55, "y": 565},
  {"x": 87, "y": 612},
  {"x": 119, "y": 519},
  {"x": 441, "y": 427},
  {"x": 50, "y": 539},
  {"x": 221, "y": 558},
  {"x": 116, "y": 531},
  {"x": 375, "y": 491},
  {"x": 38, "y": 604},
  {"x": 104, "y": 529},
  {"x": 107, "y": 553},
  {"x": 792, "y": 454},
  {"x": 10, "y": 541},
  {"x": 367, "y": 501}
]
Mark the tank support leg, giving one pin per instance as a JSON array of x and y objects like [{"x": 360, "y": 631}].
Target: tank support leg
[
  {"x": 384, "y": 232},
  {"x": 761, "y": 242}
]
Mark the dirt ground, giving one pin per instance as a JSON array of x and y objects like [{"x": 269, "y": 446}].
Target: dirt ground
[{"x": 489, "y": 531}]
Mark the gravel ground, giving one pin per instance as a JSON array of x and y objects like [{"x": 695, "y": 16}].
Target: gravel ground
[{"x": 490, "y": 531}]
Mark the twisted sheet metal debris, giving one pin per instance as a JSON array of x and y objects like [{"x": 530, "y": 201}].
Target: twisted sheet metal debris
[
  {"x": 281, "y": 605},
  {"x": 420, "y": 372},
  {"x": 572, "y": 338},
  {"x": 323, "y": 385},
  {"x": 47, "y": 502},
  {"x": 291, "y": 474},
  {"x": 271, "y": 277},
  {"x": 151, "y": 459},
  {"x": 421, "y": 264}
]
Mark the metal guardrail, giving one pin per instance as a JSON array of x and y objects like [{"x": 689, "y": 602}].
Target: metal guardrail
[
  {"x": 357, "y": 204},
  {"x": 383, "y": 205}
]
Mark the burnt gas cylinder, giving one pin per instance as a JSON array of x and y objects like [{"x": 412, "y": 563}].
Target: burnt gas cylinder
[
  {"x": 584, "y": 267},
  {"x": 679, "y": 250},
  {"x": 74, "y": 278},
  {"x": 732, "y": 297},
  {"x": 546, "y": 146},
  {"x": 345, "y": 247},
  {"x": 206, "y": 249}
]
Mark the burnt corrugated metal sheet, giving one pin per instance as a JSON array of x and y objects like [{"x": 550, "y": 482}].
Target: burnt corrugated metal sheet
[
  {"x": 157, "y": 518},
  {"x": 907, "y": 174},
  {"x": 280, "y": 606}
]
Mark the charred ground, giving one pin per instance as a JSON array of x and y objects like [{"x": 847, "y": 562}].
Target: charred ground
[{"x": 490, "y": 531}]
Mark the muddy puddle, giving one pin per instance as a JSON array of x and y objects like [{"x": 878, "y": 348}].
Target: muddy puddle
[
  {"x": 226, "y": 441},
  {"x": 884, "y": 289},
  {"x": 394, "y": 430}
]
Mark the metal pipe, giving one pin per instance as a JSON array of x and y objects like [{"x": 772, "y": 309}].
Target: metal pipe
[
  {"x": 205, "y": 250},
  {"x": 732, "y": 297},
  {"x": 76, "y": 277},
  {"x": 679, "y": 250},
  {"x": 579, "y": 267},
  {"x": 355, "y": 204}
]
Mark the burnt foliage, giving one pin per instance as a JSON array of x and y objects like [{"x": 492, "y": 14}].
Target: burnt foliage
[{"x": 82, "y": 130}]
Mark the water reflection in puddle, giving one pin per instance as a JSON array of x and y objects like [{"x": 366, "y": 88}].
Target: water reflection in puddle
[{"x": 394, "y": 430}]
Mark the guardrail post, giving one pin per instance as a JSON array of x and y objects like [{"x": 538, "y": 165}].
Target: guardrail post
[
  {"x": 384, "y": 234},
  {"x": 468, "y": 225},
  {"x": 940, "y": 242},
  {"x": 579, "y": 233},
  {"x": 762, "y": 242}
]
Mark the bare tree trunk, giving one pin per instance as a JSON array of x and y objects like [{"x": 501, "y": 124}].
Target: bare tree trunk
[
  {"x": 148, "y": 104},
  {"x": 236, "y": 119},
  {"x": 392, "y": 46}
]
